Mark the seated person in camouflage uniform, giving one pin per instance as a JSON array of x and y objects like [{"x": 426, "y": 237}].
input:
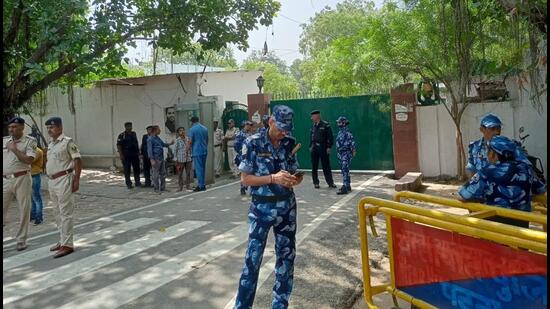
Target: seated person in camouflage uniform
[{"x": 504, "y": 182}]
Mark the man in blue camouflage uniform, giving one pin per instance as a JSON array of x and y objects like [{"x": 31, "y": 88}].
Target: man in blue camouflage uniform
[
  {"x": 504, "y": 182},
  {"x": 345, "y": 148},
  {"x": 477, "y": 152},
  {"x": 240, "y": 137},
  {"x": 268, "y": 165},
  {"x": 265, "y": 124}
]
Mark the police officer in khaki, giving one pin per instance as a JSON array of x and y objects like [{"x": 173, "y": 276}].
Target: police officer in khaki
[
  {"x": 18, "y": 152},
  {"x": 63, "y": 169}
]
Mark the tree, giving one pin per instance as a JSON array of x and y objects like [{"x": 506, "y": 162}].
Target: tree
[
  {"x": 66, "y": 41},
  {"x": 449, "y": 42},
  {"x": 270, "y": 57},
  {"x": 276, "y": 82},
  {"x": 346, "y": 19},
  {"x": 197, "y": 56}
]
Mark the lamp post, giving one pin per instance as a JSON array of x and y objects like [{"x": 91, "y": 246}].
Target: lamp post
[{"x": 260, "y": 82}]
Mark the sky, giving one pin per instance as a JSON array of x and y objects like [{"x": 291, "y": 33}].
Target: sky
[{"x": 282, "y": 38}]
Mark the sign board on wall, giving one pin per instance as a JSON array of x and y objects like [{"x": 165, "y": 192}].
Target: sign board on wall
[{"x": 401, "y": 116}]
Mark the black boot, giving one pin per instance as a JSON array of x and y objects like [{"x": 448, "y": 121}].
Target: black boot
[{"x": 343, "y": 190}]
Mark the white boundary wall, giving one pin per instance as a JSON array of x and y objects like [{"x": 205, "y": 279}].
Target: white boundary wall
[{"x": 436, "y": 132}]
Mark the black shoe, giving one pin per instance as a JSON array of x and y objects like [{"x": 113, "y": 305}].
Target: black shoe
[
  {"x": 203, "y": 188},
  {"x": 148, "y": 185},
  {"x": 316, "y": 186},
  {"x": 243, "y": 191},
  {"x": 138, "y": 184},
  {"x": 343, "y": 190},
  {"x": 332, "y": 186},
  {"x": 38, "y": 222},
  {"x": 349, "y": 189},
  {"x": 197, "y": 189},
  {"x": 129, "y": 186}
]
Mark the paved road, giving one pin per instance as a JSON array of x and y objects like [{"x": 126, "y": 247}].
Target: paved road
[{"x": 187, "y": 252}]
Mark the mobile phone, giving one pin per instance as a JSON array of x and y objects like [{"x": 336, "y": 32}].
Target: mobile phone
[{"x": 298, "y": 173}]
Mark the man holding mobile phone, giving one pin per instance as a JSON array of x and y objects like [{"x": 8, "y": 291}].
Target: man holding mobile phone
[{"x": 269, "y": 166}]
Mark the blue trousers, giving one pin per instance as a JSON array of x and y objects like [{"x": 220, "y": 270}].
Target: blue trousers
[
  {"x": 36, "y": 210},
  {"x": 199, "y": 163},
  {"x": 344, "y": 158},
  {"x": 282, "y": 217}
]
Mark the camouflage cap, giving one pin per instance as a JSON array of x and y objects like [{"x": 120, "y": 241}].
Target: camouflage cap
[
  {"x": 491, "y": 121},
  {"x": 342, "y": 120},
  {"x": 501, "y": 144},
  {"x": 283, "y": 116}
]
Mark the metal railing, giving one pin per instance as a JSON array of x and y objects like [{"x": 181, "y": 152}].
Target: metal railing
[{"x": 511, "y": 236}]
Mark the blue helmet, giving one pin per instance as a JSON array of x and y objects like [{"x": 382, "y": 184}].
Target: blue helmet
[
  {"x": 283, "y": 116},
  {"x": 491, "y": 121}
]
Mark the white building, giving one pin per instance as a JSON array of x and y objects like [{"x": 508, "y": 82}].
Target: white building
[{"x": 99, "y": 113}]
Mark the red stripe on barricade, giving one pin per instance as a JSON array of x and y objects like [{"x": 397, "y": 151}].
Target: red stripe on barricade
[{"x": 424, "y": 254}]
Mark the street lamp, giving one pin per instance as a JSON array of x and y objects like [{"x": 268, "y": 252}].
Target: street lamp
[{"x": 260, "y": 82}]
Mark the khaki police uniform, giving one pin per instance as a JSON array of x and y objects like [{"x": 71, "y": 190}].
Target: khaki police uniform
[
  {"x": 17, "y": 182},
  {"x": 231, "y": 153},
  {"x": 61, "y": 154},
  {"x": 218, "y": 140}
]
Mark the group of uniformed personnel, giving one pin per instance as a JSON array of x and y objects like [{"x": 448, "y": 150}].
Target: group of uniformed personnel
[
  {"x": 502, "y": 175},
  {"x": 63, "y": 167}
]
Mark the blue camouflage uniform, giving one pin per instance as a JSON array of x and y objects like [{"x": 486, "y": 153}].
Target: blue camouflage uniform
[
  {"x": 240, "y": 138},
  {"x": 508, "y": 184},
  {"x": 265, "y": 121},
  {"x": 477, "y": 150},
  {"x": 345, "y": 146},
  {"x": 272, "y": 206}
]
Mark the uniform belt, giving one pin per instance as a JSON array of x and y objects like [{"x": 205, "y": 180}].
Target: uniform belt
[
  {"x": 270, "y": 199},
  {"x": 59, "y": 174},
  {"x": 218, "y": 145},
  {"x": 15, "y": 175}
]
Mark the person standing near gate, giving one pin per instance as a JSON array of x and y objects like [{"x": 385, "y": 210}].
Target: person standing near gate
[
  {"x": 155, "y": 151},
  {"x": 128, "y": 150},
  {"x": 63, "y": 169},
  {"x": 268, "y": 165},
  {"x": 18, "y": 152},
  {"x": 239, "y": 142},
  {"x": 218, "y": 153},
  {"x": 145, "y": 157},
  {"x": 183, "y": 159},
  {"x": 198, "y": 141},
  {"x": 229, "y": 140},
  {"x": 37, "y": 168},
  {"x": 345, "y": 148},
  {"x": 321, "y": 140}
]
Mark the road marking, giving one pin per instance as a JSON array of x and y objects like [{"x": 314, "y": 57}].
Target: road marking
[
  {"x": 40, "y": 281},
  {"x": 82, "y": 241},
  {"x": 133, "y": 287},
  {"x": 106, "y": 218},
  {"x": 267, "y": 268}
]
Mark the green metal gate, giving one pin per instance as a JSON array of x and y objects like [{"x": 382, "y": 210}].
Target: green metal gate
[
  {"x": 370, "y": 126},
  {"x": 236, "y": 112}
]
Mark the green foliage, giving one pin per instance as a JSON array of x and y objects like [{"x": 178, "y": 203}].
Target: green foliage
[
  {"x": 74, "y": 41},
  {"x": 224, "y": 57},
  {"x": 276, "y": 82}
]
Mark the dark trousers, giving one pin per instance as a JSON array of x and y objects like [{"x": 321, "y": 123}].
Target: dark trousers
[
  {"x": 316, "y": 154},
  {"x": 147, "y": 171},
  {"x": 131, "y": 162}
]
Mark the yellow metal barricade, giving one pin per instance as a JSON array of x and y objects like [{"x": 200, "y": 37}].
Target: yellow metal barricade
[
  {"x": 483, "y": 211},
  {"x": 476, "y": 228}
]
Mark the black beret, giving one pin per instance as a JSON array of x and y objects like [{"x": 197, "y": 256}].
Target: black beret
[
  {"x": 127, "y": 123},
  {"x": 315, "y": 112},
  {"x": 54, "y": 121},
  {"x": 17, "y": 120}
]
